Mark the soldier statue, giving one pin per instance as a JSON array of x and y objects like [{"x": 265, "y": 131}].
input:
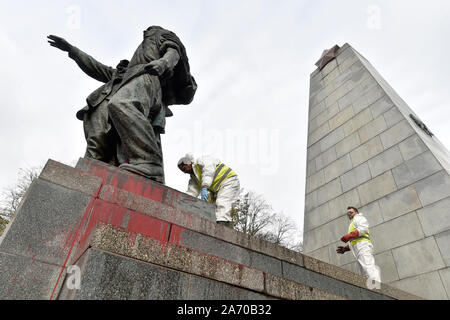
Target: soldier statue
[{"x": 124, "y": 118}]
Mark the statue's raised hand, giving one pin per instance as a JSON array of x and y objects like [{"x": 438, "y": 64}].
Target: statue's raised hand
[{"x": 59, "y": 43}]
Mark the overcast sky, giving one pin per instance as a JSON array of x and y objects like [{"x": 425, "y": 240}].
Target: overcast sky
[{"x": 251, "y": 59}]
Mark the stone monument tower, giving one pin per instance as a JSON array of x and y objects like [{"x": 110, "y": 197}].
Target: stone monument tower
[{"x": 368, "y": 149}]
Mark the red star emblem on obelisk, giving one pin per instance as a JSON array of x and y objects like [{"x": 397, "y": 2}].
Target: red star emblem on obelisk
[{"x": 327, "y": 56}]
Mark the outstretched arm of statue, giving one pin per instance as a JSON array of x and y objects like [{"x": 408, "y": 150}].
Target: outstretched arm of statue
[
  {"x": 89, "y": 65},
  {"x": 166, "y": 64}
]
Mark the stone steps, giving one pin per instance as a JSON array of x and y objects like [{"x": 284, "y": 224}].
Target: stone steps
[{"x": 132, "y": 238}]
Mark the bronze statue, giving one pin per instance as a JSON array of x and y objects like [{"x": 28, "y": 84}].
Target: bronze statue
[{"x": 124, "y": 118}]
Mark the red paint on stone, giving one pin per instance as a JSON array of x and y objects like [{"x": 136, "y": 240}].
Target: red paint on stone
[
  {"x": 102, "y": 211},
  {"x": 133, "y": 184},
  {"x": 99, "y": 211},
  {"x": 85, "y": 215},
  {"x": 142, "y": 188},
  {"x": 176, "y": 235},
  {"x": 114, "y": 183},
  {"x": 99, "y": 171},
  {"x": 148, "y": 226}
]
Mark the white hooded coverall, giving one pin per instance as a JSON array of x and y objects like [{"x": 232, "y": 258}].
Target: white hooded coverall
[
  {"x": 227, "y": 193},
  {"x": 363, "y": 250}
]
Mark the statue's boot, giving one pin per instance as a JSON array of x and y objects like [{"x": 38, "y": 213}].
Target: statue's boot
[{"x": 146, "y": 170}]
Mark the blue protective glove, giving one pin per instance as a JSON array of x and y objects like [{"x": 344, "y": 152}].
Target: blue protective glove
[{"x": 205, "y": 195}]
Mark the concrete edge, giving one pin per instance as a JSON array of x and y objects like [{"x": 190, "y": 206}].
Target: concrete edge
[
  {"x": 355, "y": 279},
  {"x": 76, "y": 179},
  {"x": 71, "y": 178},
  {"x": 116, "y": 240}
]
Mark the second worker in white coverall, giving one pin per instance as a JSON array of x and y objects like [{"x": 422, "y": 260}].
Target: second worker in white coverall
[
  {"x": 361, "y": 245},
  {"x": 214, "y": 181}
]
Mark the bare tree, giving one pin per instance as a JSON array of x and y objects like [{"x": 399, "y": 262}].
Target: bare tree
[
  {"x": 3, "y": 223},
  {"x": 252, "y": 215},
  {"x": 12, "y": 195}
]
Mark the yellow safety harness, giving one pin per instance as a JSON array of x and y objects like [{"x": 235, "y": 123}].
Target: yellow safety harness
[
  {"x": 364, "y": 237},
  {"x": 222, "y": 173}
]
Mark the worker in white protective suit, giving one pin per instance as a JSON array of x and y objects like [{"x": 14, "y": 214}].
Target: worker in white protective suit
[
  {"x": 361, "y": 246},
  {"x": 214, "y": 181}
]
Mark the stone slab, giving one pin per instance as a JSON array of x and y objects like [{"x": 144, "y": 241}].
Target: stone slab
[
  {"x": 377, "y": 188},
  {"x": 331, "y": 139},
  {"x": 399, "y": 203},
  {"x": 445, "y": 276},
  {"x": 230, "y": 252},
  {"x": 358, "y": 121},
  {"x": 373, "y": 213},
  {"x": 286, "y": 289},
  {"x": 393, "y": 116},
  {"x": 380, "y": 107},
  {"x": 427, "y": 286},
  {"x": 396, "y": 232},
  {"x": 338, "y": 206},
  {"x": 317, "y": 217},
  {"x": 318, "y": 134},
  {"x": 327, "y": 114},
  {"x": 418, "y": 257},
  {"x": 443, "y": 242},
  {"x": 25, "y": 278},
  {"x": 396, "y": 134},
  {"x": 45, "y": 226},
  {"x": 70, "y": 178},
  {"x": 106, "y": 276},
  {"x": 329, "y": 191},
  {"x": 340, "y": 118},
  {"x": 371, "y": 92},
  {"x": 388, "y": 270},
  {"x": 310, "y": 168},
  {"x": 385, "y": 161},
  {"x": 412, "y": 147},
  {"x": 372, "y": 129},
  {"x": 417, "y": 168},
  {"x": 435, "y": 218},
  {"x": 172, "y": 255},
  {"x": 366, "y": 151},
  {"x": 324, "y": 283},
  {"x": 337, "y": 168},
  {"x": 433, "y": 188},
  {"x": 334, "y": 272},
  {"x": 326, "y": 234},
  {"x": 355, "y": 177},
  {"x": 325, "y": 158},
  {"x": 205, "y": 289},
  {"x": 140, "y": 186},
  {"x": 313, "y": 151},
  {"x": 315, "y": 181},
  {"x": 351, "y": 142},
  {"x": 321, "y": 254}
]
